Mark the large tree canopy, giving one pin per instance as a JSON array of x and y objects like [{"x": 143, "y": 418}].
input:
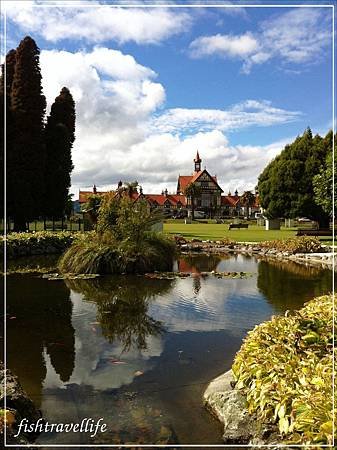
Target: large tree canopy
[
  {"x": 28, "y": 104},
  {"x": 59, "y": 137},
  {"x": 323, "y": 181},
  {"x": 286, "y": 184},
  {"x": 6, "y": 80},
  {"x": 38, "y": 157}
]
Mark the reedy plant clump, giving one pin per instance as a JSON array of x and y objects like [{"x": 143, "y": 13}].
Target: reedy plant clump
[
  {"x": 285, "y": 369},
  {"x": 123, "y": 242}
]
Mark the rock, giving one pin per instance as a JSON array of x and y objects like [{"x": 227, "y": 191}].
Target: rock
[
  {"x": 19, "y": 404},
  {"x": 230, "y": 407}
]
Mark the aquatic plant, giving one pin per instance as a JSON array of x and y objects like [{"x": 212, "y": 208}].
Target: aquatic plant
[
  {"x": 284, "y": 368},
  {"x": 297, "y": 244},
  {"x": 123, "y": 243}
]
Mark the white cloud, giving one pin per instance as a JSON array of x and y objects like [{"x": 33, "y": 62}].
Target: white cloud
[
  {"x": 121, "y": 134},
  {"x": 241, "y": 115},
  {"x": 223, "y": 45},
  {"x": 97, "y": 23},
  {"x": 298, "y": 37}
]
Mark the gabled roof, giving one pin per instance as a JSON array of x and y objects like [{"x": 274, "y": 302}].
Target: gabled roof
[
  {"x": 160, "y": 199},
  {"x": 185, "y": 180},
  {"x": 230, "y": 200}
]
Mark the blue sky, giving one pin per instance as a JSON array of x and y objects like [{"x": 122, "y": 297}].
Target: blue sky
[{"x": 153, "y": 85}]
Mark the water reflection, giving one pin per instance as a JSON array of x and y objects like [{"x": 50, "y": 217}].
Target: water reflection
[
  {"x": 121, "y": 365},
  {"x": 287, "y": 285},
  {"x": 122, "y": 307},
  {"x": 199, "y": 263},
  {"x": 39, "y": 328}
]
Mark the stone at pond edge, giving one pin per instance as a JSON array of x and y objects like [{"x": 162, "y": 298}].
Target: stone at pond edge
[
  {"x": 229, "y": 406},
  {"x": 19, "y": 404}
]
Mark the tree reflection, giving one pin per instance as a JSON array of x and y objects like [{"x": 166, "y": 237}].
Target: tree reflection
[
  {"x": 287, "y": 284},
  {"x": 122, "y": 307},
  {"x": 38, "y": 320}
]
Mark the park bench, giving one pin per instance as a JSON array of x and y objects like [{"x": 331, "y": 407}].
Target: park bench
[
  {"x": 307, "y": 232},
  {"x": 237, "y": 225}
]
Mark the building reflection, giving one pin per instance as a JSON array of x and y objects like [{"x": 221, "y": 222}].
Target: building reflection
[
  {"x": 38, "y": 322},
  {"x": 199, "y": 263},
  {"x": 196, "y": 264},
  {"x": 122, "y": 307}
]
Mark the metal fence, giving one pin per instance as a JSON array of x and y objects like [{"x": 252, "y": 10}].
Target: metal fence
[{"x": 74, "y": 224}]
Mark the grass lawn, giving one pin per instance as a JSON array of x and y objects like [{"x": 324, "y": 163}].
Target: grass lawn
[{"x": 254, "y": 233}]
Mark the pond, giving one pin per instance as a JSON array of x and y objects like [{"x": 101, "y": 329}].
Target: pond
[{"x": 139, "y": 352}]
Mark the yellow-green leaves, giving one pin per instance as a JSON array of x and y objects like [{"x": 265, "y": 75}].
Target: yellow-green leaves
[
  {"x": 285, "y": 369},
  {"x": 297, "y": 244}
]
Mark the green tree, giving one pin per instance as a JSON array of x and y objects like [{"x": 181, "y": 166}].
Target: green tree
[
  {"x": 247, "y": 200},
  {"x": 128, "y": 188},
  {"x": 25, "y": 171},
  {"x": 286, "y": 184},
  {"x": 59, "y": 137},
  {"x": 192, "y": 192},
  {"x": 92, "y": 207},
  {"x": 323, "y": 183},
  {"x": 6, "y": 80}
]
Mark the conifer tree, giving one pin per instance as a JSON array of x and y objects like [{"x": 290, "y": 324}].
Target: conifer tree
[
  {"x": 6, "y": 80},
  {"x": 59, "y": 138},
  {"x": 25, "y": 173}
]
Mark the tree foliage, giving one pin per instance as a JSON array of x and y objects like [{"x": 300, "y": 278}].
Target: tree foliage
[
  {"x": 28, "y": 104},
  {"x": 6, "y": 80},
  {"x": 192, "y": 191},
  {"x": 59, "y": 137},
  {"x": 286, "y": 184},
  {"x": 37, "y": 182},
  {"x": 323, "y": 182},
  {"x": 247, "y": 199}
]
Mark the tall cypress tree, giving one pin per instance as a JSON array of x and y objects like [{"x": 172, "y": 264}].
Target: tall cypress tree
[
  {"x": 60, "y": 135},
  {"x": 6, "y": 80},
  {"x": 26, "y": 176}
]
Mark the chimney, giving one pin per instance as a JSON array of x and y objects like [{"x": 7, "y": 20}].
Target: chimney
[
  {"x": 94, "y": 190},
  {"x": 166, "y": 192}
]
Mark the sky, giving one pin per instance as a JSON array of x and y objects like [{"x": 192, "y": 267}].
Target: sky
[{"x": 154, "y": 84}]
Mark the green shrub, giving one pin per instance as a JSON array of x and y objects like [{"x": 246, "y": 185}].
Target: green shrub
[
  {"x": 298, "y": 244},
  {"x": 101, "y": 254},
  {"x": 284, "y": 368},
  {"x": 41, "y": 242}
]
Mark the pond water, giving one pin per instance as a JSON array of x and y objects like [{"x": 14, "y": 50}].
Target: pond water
[{"x": 139, "y": 352}]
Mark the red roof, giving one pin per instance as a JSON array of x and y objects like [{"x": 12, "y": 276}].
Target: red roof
[
  {"x": 160, "y": 199},
  {"x": 185, "y": 180},
  {"x": 83, "y": 196},
  {"x": 230, "y": 200}
]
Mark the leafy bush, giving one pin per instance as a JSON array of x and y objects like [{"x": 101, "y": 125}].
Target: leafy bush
[
  {"x": 284, "y": 368},
  {"x": 41, "y": 242},
  {"x": 298, "y": 244},
  {"x": 228, "y": 241}
]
